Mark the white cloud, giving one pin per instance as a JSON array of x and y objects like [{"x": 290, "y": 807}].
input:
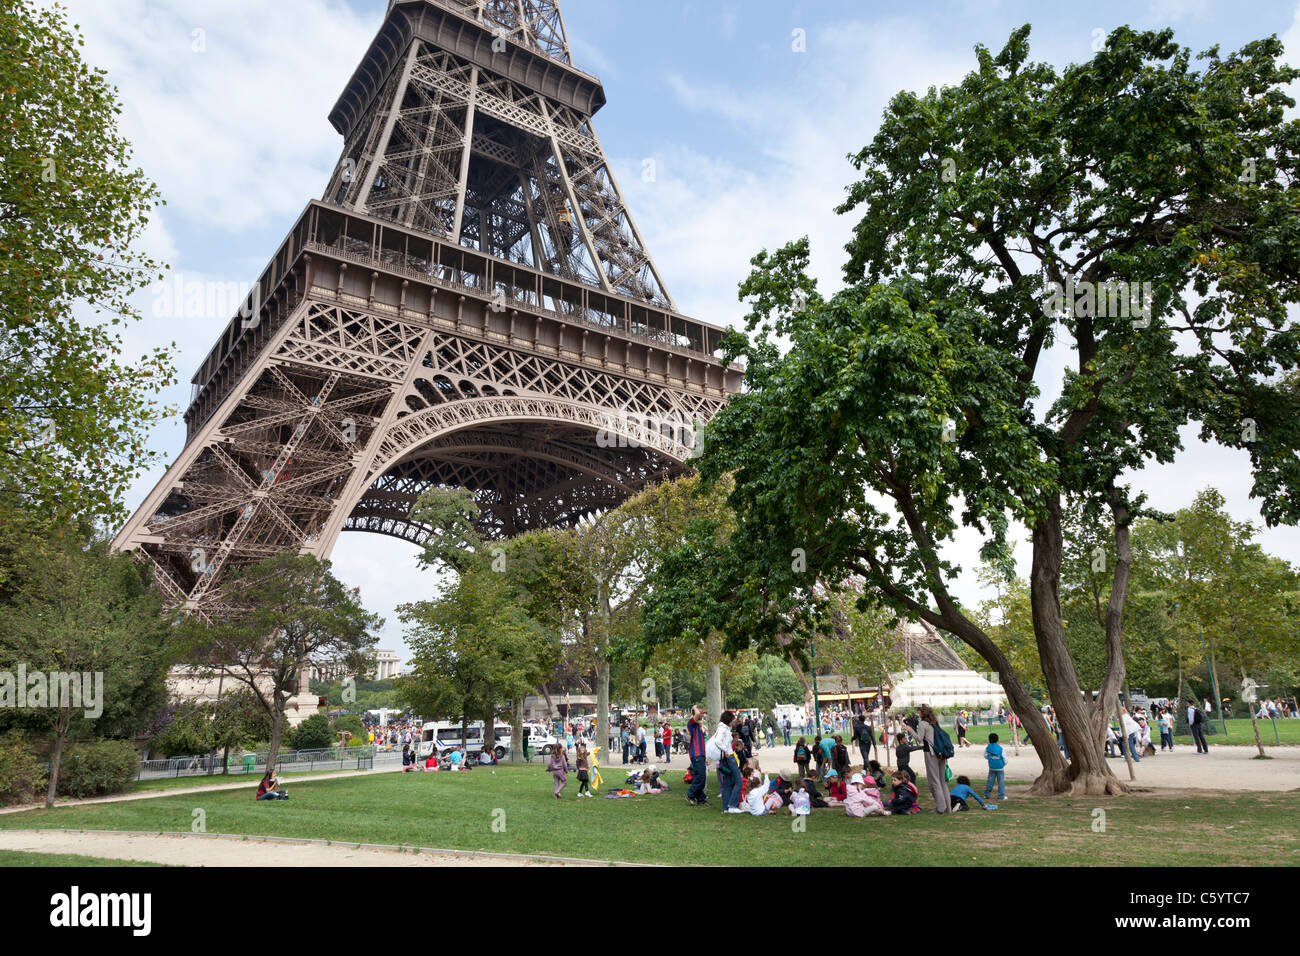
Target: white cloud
[{"x": 237, "y": 138}]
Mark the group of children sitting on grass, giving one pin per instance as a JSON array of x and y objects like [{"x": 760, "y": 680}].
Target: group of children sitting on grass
[{"x": 860, "y": 795}]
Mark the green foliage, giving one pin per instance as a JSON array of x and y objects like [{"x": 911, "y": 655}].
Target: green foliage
[
  {"x": 68, "y": 605},
  {"x": 877, "y": 422},
  {"x": 771, "y": 683},
  {"x": 98, "y": 768},
  {"x": 74, "y": 417},
  {"x": 472, "y": 649},
  {"x": 22, "y": 773},
  {"x": 314, "y": 733},
  {"x": 290, "y": 610},
  {"x": 349, "y": 723},
  {"x": 188, "y": 733}
]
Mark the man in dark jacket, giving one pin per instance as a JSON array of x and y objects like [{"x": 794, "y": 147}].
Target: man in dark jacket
[{"x": 863, "y": 733}]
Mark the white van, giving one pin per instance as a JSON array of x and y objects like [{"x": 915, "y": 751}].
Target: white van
[{"x": 445, "y": 737}]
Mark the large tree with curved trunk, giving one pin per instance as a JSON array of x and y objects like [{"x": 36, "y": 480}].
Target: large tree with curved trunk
[{"x": 999, "y": 218}]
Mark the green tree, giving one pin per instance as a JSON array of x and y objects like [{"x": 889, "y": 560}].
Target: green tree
[
  {"x": 1225, "y": 596},
  {"x": 908, "y": 406},
  {"x": 284, "y": 613},
  {"x": 75, "y": 609},
  {"x": 472, "y": 648},
  {"x": 74, "y": 415}
]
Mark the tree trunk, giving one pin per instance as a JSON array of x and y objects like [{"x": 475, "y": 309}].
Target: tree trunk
[
  {"x": 1179, "y": 703},
  {"x": 713, "y": 693},
  {"x": 225, "y": 762},
  {"x": 602, "y": 669},
  {"x": 1254, "y": 722},
  {"x": 277, "y": 727},
  {"x": 517, "y": 731},
  {"x": 490, "y": 724},
  {"x": 56, "y": 758},
  {"x": 1087, "y": 772}
]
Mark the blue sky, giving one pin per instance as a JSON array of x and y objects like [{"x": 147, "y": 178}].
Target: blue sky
[{"x": 226, "y": 103}]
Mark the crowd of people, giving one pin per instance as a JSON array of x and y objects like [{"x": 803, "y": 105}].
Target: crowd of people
[{"x": 826, "y": 763}]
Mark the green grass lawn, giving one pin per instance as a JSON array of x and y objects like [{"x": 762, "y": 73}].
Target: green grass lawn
[
  {"x": 216, "y": 780},
  {"x": 457, "y": 811},
  {"x": 24, "y": 858},
  {"x": 1239, "y": 734}
]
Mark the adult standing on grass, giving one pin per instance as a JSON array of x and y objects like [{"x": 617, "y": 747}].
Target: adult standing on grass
[
  {"x": 697, "y": 796},
  {"x": 1196, "y": 722},
  {"x": 961, "y": 729},
  {"x": 936, "y": 762},
  {"x": 719, "y": 749}
]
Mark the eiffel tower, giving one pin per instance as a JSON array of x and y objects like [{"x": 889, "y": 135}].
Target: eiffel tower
[{"x": 470, "y": 305}]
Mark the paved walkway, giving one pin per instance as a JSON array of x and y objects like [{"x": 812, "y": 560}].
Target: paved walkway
[
  {"x": 231, "y": 850},
  {"x": 1223, "y": 768}
]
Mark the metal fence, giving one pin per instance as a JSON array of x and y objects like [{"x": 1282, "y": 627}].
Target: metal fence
[{"x": 287, "y": 761}]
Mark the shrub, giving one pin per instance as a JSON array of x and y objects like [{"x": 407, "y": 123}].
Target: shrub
[
  {"x": 22, "y": 774},
  {"x": 352, "y": 723},
  {"x": 313, "y": 734},
  {"x": 98, "y": 768}
]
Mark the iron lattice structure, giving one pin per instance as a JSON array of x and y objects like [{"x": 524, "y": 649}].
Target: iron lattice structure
[{"x": 470, "y": 305}]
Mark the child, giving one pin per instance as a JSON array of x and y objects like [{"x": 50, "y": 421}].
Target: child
[
  {"x": 648, "y": 783},
  {"x": 962, "y": 792},
  {"x": 819, "y": 754},
  {"x": 835, "y": 787},
  {"x": 802, "y": 755},
  {"x": 877, "y": 773},
  {"x": 800, "y": 802},
  {"x": 756, "y": 802},
  {"x": 901, "y": 750},
  {"x": 862, "y": 801},
  {"x": 559, "y": 768},
  {"x": 774, "y": 800},
  {"x": 814, "y": 795},
  {"x": 997, "y": 768},
  {"x": 583, "y": 776},
  {"x": 840, "y": 757},
  {"x": 905, "y": 793}
]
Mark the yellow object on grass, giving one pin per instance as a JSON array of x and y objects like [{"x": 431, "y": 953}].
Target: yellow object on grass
[{"x": 595, "y": 780}]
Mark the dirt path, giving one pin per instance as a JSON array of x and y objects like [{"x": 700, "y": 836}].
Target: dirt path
[{"x": 219, "y": 850}]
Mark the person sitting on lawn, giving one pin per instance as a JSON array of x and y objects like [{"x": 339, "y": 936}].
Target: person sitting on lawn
[
  {"x": 877, "y": 773},
  {"x": 270, "y": 789},
  {"x": 648, "y": 783},
  {"x": 756, "y": 799},
  {"x": 814, "y": 795},
  {"x": 905, "y": 794},
  {"x": 962, "y": 792},
  {"x": 800, "y": 802},
  {"x": 863, "y": 799},
  {"x": 836, "y": 788}
]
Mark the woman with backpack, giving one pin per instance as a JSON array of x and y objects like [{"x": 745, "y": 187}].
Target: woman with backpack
[{"x": 938, "y": 748}]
